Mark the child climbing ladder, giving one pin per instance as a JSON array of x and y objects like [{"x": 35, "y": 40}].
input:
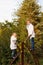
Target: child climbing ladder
[
  {"x": 31, "y": 33},
  {"x": 13, "y": 45}
]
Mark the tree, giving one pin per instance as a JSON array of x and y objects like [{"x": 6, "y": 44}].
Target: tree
[{"x": 31, "y": 10}]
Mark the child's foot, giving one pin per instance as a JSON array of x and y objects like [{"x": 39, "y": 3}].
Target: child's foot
[
  {"x": 31, "y": 49},
  {"x": 13, "y": 57}
]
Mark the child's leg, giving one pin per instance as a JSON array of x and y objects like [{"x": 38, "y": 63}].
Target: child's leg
[
  {"x": 32, "y": 43},
  {"x": 12, "y": 53},
  {"x": 15, "y": 52}
]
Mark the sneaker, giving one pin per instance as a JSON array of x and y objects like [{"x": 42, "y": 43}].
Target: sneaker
[
  {"x": 13, "y": 57},
  {"x": 31, "y": 49}
]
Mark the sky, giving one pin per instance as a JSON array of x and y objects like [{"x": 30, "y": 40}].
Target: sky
[
  {"x": 41, "y": 4},
  {"x": 8, "y": 7}
]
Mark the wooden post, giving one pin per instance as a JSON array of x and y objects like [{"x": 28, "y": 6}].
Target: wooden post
[{"x": 22, "y": 55}]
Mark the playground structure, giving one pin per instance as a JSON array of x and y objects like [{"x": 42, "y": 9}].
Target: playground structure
[{"x": 33, "y": 53}]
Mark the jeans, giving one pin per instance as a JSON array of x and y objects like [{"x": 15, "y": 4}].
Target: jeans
[
  {"x": 32, "y": 43},
  {"x": 14, "y": 52}
]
